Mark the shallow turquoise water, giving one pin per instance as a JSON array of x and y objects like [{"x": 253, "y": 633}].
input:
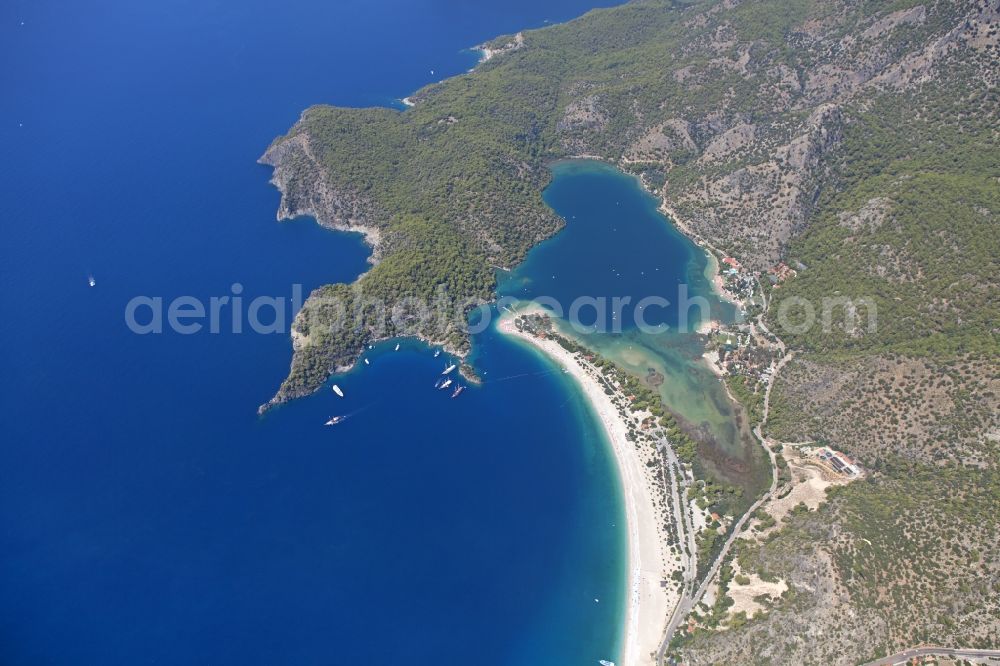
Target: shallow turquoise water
[{"x": 617, "y": 245}]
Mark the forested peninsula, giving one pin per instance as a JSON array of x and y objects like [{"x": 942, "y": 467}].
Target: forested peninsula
[{"x": 856, "y": 141}]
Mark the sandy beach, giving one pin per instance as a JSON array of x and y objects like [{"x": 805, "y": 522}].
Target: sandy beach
[
  {"x": 713, "y": 362},
  {"x": 649, "y": 604}
]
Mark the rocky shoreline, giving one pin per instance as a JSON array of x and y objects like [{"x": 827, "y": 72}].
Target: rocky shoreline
[{"x": 306, "y": 191}]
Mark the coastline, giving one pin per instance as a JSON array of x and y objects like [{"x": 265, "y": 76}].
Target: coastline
[
  {"x": 646, "y": 596},
  {"x": 712, "y": 252},
  {"x": 331, "y": 209},
  {"x": 712, "y": 272},
  {"x": 648, "y": 603},
  {"x": 487, "y": 52}
]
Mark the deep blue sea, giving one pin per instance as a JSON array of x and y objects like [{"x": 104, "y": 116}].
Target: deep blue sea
[
  {"x": 147, "y": 515},
  {"x": 616, "y": 244}
]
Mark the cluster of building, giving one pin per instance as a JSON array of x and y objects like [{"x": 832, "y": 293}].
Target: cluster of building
[
  {"x": 839, "y": 461},
  {"x": 740, "y": 283},
  {"x": 737, "y": 282},
  {"x": 780, "y": 273},
  {"x": 739, "y": 354}
]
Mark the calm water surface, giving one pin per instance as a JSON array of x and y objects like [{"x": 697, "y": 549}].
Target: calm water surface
[
  {"x": 146, "y": 514},
  {"x": 617, "y": 245}
]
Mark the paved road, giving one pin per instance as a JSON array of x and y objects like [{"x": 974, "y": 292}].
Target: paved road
[
  {"x": 961, "y": 653},
  {"x": 685, "y": 528},
  {"x": 767, "y": 394},
  {"x": 737, "y": 529},
  {"x": 689, "y": 601},
  {"x": 686, "y": 535}
]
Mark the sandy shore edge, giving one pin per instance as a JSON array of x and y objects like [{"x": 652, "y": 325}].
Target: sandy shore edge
[{"x": 649, "y": 603}]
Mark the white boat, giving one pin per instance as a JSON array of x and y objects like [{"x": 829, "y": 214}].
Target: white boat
[
  {"x": 449, "y": 369},
  {"x": 366, "y": 362},
  {"x": 334, "y": 420},
  {"x": 446, "y": 384},
  {"x": 458, "y": 392},
  {"x": 437, "y": 353},
  {"x": 336, "y": 389},
  {"x": 397, "y": 347},
  {"x": 91, "y": 281},
  {"x": 605, "y": 662}
]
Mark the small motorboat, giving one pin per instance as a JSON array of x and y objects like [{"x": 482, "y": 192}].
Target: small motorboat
[{"x": 334, "y": 420}]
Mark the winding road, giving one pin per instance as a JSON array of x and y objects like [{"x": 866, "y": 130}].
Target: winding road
[
  {"x": 689, "y": 601},
  {"x": 961, "y": 653}
]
